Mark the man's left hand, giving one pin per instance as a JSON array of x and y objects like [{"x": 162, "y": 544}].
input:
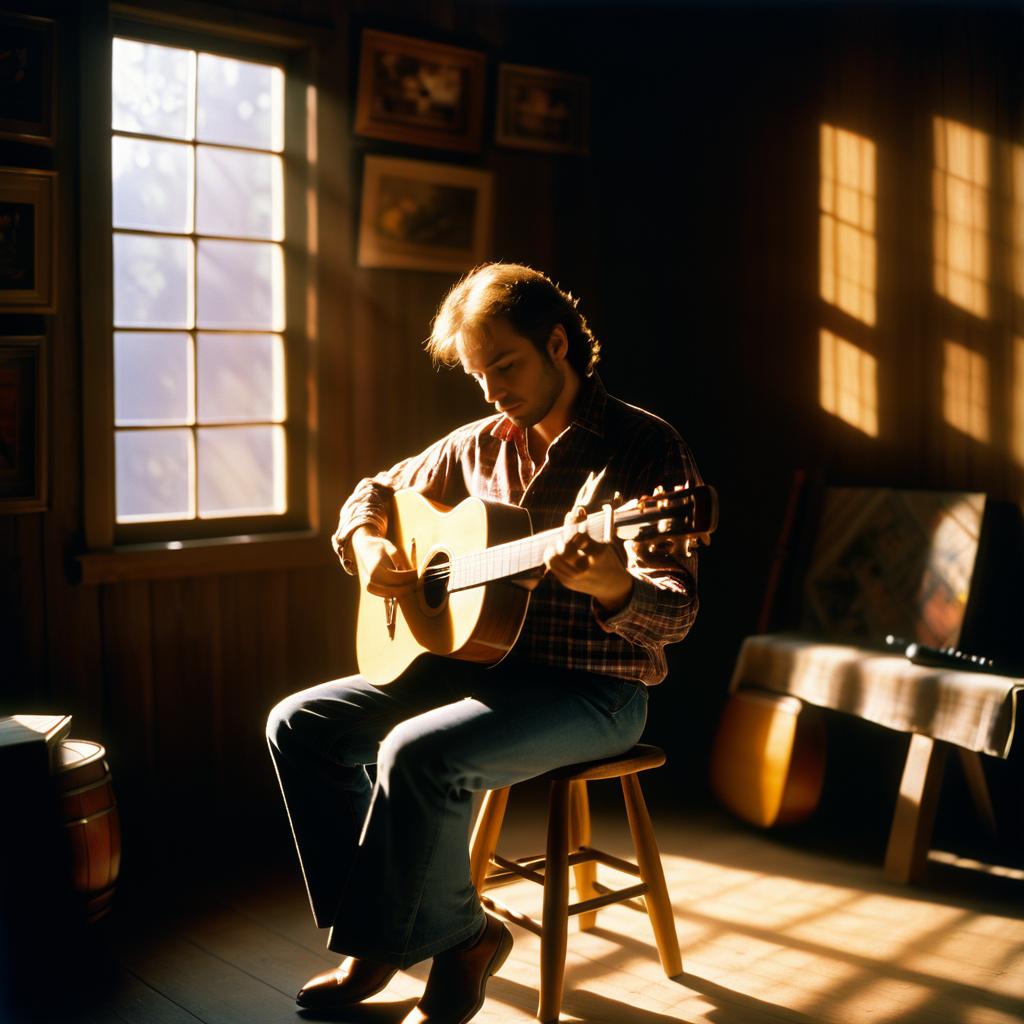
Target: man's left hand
[{"x": 588, "y": 566}]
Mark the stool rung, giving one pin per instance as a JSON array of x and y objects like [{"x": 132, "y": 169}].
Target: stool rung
[
  {"x": 611, "y": 896},
  {"x": 629, "y": 901},
  {"x": 628, "y": 867},
  {"x": 511, "y": 915},
  {"x": 513, "y": 867}
]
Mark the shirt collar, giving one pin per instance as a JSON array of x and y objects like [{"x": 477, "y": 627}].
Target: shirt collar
[{"x": 588, "y": 413}]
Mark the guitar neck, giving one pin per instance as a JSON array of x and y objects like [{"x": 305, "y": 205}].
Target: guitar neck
[{"x": 503, "y": 561}]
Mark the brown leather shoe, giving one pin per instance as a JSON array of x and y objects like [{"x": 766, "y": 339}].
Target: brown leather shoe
[
  {"x": 351, "y": 982},
  {"x": 458, "y": 978}
]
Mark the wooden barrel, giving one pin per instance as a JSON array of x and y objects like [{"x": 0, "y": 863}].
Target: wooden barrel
[{"x": 90, "y": 817}]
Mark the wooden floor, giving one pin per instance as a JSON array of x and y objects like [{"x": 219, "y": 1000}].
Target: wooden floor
[{"x": 769, "y": 932}]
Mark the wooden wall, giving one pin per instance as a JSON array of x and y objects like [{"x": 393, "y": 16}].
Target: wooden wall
[{"x": 691, "y": 235}]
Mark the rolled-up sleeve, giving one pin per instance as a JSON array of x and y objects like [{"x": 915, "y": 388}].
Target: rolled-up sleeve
[{"x": 664, "y": 602}]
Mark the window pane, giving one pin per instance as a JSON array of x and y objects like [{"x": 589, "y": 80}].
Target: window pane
[
  {"x": 241, "y": 377},
  {"x": 241, "y": 471},
  {"x": 153, "y": 89},
  {"x": 239, "y": 193},
  {"x": 241, "y": 285},
  {"x": 152, "y": 184},
  {"x": 240, "y": 103},
  {"x": 152, "y": 379},
  {"x": 155, "y": 470},
  {"x": 152, "y": 281}
]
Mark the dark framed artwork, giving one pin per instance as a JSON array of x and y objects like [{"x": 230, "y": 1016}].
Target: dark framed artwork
[
  {"x": 22, "y": 424},
  {"x": 28, "y": 68},
  {"x": 542, "y": 109},
  {"x": 27, "y": 241},
  {"x": 423, "y": 93},
  {"x": 424, "y": 216}
]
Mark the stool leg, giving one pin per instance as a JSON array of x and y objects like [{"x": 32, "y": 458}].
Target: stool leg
[
  {"x": 555, "y": 921},
  {"x": 579, "y": 835},
  {"x": 485, "y": 834},
  {"x": 659, "y": 907}
]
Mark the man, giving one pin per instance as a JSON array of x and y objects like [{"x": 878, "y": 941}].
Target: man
[{"x": 386, "y": 865}]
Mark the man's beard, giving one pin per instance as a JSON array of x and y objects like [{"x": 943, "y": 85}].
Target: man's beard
[{"x": 537, "y": 409}]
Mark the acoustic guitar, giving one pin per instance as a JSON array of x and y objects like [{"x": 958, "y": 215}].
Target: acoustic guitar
[{"x": 477, "y": 563}]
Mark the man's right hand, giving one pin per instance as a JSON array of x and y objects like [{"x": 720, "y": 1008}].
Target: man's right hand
[{"x": 381, "y": 564}]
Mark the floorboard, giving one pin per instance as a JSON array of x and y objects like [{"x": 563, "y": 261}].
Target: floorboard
[{"x": 771, "y": 932}]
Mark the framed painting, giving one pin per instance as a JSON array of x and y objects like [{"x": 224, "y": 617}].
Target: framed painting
[
  {"x": 27, "y": 241},
  {"x": 28, "y": 69},
  {"x": 422, "y": 93},
  {"x": 542, "y": 109},
  {"x": 22, "y": 424},
  {"x": 424, "y": 216}
]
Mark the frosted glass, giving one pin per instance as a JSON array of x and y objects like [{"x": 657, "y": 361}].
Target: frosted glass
[
  {"x": 240, "y": 103},
  {"x": 152, "y": 281},
  {"x": 239, "y": 193},
  {"x": 241, "y": 377},
  {"x": 241, "y": 286},
  {"x": 153, "y": 89},
  {"x": 152, "y": 379},
  {"x": 155, "y": 470},
  {"x": 241, "y": 471},
  {"x": 152, "y": 184}
]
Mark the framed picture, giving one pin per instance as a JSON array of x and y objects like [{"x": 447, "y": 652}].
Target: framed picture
[
  {"x": 423, "y": 93},
  {"x": 424, "y": 216},
  {"x": 541, "y": 109},
  {"x": 27, "y": 241},
  {"x": 22, "y": 424},
  {"x": 28, "y": 69}
]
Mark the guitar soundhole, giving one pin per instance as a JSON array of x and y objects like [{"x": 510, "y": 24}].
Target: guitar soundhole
[{"x": 435, "y": 581}]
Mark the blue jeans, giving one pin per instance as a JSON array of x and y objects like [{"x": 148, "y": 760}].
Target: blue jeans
[{"x": 386, "y": 860}]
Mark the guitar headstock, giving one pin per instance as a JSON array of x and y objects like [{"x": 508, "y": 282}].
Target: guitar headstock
[{"x": 671, "y": 521}]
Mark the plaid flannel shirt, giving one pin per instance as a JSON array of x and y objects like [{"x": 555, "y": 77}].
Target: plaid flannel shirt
[{"x": 490, "y": 459}]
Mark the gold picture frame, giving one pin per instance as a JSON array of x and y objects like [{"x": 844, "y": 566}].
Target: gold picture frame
[
  {"x": 28, "y": 252},
  {"x": 419, "y": 92},
  {"x": 542, "y": 109},
  {"x": 418, "y": 215},
  {"x": 23, "y": 438}
]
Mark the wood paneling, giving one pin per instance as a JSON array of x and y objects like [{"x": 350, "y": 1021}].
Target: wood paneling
[{"x": 690, "y": 235}]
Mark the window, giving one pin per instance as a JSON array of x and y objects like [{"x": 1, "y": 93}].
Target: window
[{"x": 197, "y": 423}]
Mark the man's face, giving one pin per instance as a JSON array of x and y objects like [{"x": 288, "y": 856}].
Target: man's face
[{"x": 514, "y": 376}]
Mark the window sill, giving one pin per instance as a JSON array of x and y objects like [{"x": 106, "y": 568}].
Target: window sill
[{"x": 254, "y": 553}]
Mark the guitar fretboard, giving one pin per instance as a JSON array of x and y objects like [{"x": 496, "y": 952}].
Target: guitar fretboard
[{"x": 520, "y": 556}]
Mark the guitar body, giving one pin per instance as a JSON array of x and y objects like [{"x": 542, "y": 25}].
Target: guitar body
[
  {"x": 479, "y": 624},
  {"x": 768, "y": 759}
]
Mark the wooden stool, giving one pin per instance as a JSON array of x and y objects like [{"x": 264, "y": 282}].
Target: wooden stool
[{"x": 568, "y": 843}]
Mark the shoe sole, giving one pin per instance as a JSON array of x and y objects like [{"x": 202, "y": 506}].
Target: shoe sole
[{"x": 501, "y": 953}]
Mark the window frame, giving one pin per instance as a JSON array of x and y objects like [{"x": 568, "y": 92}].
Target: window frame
[{"x": 217, "y": 544}]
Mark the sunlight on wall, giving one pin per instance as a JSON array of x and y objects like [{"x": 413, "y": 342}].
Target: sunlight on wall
[
  {"x": 965, "y": 390},
  {"x": 849, "y": 383},
  {"x": 960, "y": 194},
  {"x": 848, "y": 265}
]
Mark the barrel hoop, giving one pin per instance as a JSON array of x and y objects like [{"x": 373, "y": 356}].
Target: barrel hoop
[
  {"x": 91, "y": 817},
  {"x": 85, "y": 789}
]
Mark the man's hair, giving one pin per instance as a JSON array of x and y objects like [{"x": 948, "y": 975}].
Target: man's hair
[{"x": 529, "y": 301}]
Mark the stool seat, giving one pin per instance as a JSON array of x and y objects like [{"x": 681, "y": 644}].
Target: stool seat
[
  {"x": 639, "y": 759},
  {"x": 568, "y": 844}
]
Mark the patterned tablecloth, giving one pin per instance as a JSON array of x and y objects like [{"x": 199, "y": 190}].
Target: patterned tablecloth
[{"x": 974, "y": 710}]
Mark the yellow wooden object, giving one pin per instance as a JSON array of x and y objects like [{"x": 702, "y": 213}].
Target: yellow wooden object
[{"x": 768, "y": 760}]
